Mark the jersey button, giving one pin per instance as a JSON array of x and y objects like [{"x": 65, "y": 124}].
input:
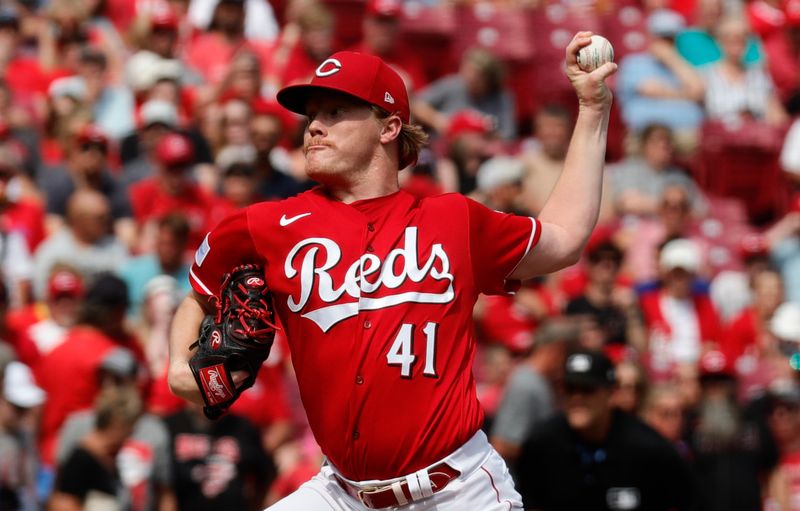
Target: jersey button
[
  {"x": 370, "y": 227},
  {"x": 359, "y": 380},
  {"x": 367, "y": 324},
  {"x": 356, "y": 435},
  {"x": 370, "y": 249}
]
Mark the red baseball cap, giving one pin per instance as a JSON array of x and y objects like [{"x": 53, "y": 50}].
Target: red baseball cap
[
  {"x": 91, "y": 134},
  {"x": 715, "y": 364},
  {"x": 384, "y": 8},
  {"x": 365, "y": 77},
  {"x": 794, "y": 206},
  {"x": 753, "y": 244},
  {"x": 468, "y": 121},
  {"x": 164, "y": 19},
  {"x": 64, "y": 283},
  {"x": 174, "y": 149}
]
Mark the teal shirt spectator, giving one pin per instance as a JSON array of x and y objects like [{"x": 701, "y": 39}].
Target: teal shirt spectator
[
  {"x": 137, "y": 272},
  {"x": 700, "y": 48}
]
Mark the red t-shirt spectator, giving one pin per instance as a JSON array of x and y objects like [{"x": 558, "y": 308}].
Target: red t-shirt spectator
[
  {"x": 70, "y": 376},
  {"x": 211, "y": 55}
]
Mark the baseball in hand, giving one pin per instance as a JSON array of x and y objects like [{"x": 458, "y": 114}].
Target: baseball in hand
[{"x": 595, "y": 54}]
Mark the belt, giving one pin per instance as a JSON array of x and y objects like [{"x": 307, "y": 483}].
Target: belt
[{"x": 398, "y": 493}]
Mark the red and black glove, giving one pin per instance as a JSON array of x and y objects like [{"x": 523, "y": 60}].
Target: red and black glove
[{"x": 237, "y": 338}]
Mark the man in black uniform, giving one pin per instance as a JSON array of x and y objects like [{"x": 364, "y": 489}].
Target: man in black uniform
[{"x": 592, "y": 456}]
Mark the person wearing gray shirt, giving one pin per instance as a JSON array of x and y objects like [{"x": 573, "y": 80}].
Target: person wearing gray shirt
[{"x": 529, "y": 398}]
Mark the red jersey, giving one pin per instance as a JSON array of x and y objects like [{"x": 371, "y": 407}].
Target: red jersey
[{"x": 376, "y": 300}]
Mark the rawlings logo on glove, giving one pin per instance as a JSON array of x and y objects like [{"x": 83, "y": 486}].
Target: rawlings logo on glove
[{"x": 237, "y": 338}]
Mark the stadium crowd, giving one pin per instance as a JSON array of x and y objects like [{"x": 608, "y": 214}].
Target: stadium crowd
[{"x": 129, "y": 128}]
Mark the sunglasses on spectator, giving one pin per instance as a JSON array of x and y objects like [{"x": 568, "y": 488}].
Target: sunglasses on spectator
[
  {"x": 88, "y": 146},
  {"x": 177, "y": 168},
  {"x": 584, "y": 390}
]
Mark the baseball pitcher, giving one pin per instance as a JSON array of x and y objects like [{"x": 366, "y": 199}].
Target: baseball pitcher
[{"x": 375, "y": 289}]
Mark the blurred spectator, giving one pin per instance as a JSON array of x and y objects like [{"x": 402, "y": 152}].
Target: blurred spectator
[
  {"x": 492, "y": 368},
  {"x": 767, "y": 17},
  {"x": 790, "y": 153},
  {"x": 45, "y": 323},
  {"x": 269, "y": 127},
  {"x": 86, "y": 242},
  {"x": 239, "y": 187},
  {"x": 259, "y": 22},
  {"x": 97, "y": 351},
  {"x": 783, "y": 239},
  {"x": 592, "y": 456},
  {"x": 783, "y": 490},
  {"x": 735, "y": 90},
  {"x": 304, "y": 44},
  {"x": 143, "y": 462},
  {"x": 469, "y": 141},
  {"x": 631, "y": 388},
  {"x": 168, "y": 258},
  {"x": 658, "y": 86},
  {"x": 20, "y": 211},
  {"x": 267, "y": 404},
  {"x": 637, "y": 183},
  {"x": 381, "y": 37},
  {"x": 529, "y": 397},
  {"x": 499, "y": 183},
  {"x": 243, "y": 80},
  {"x": 730, "y": 451},
  {"x": 479, "y": 85},
  {"x": 12, "y": 345},
  {"x": 217, "y": 465},
  {"x": 642, "y": 239},
  {"x": 157, "y": 118},
  {"x": 552, "y": 127},
  {"x": 730, "y": 289},
  {"x": 783, "y": 55},
  {"x": 663, "y": 410},
  {"x": 151, "y": 325},
  {"x": 85, "y": 168},
  {"x": 697, "y": 43},
  {"x": 19, "y": 409},
  {"x": 212, "y": 50},
  {"x": 611, "y": 310},
  {"x": 171, "y": 189},
  {"x": 89, "y": 478},
  {"x": 112, "y": 106},
  {"x": 747, "y": 341},
  {"x": 681, "y": 323}
]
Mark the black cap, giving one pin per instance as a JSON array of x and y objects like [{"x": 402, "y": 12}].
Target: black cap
[
  {"x": 589, "y": 369},
  {"x": 109, "y": 291}
]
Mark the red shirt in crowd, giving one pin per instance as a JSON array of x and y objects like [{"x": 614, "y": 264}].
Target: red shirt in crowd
[
  {"x": 151, "y": 202},
  {"x": 404, "y": 60},
  {"x": 26, "y": 217},
  {"x": 70, "y": 376},
  {"x": 211, "y": 55}
]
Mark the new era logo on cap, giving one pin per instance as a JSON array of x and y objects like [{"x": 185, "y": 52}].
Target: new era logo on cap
[{"x": 365, "y": 77}]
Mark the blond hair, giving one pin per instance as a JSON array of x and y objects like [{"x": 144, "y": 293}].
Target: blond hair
[{"x": 410, "y": 142}]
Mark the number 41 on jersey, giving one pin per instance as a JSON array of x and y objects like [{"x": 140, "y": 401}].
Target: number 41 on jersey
[{"x": 402, "y": 351}]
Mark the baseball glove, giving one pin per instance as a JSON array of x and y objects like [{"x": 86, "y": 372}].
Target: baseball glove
[{"x": 237, "y": 338}]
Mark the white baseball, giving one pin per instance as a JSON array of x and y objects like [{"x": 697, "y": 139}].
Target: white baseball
[{"x": 595, "y": 54}]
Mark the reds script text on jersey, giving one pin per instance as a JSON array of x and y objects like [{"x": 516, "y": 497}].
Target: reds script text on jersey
[{"x": 376, "y": 299}]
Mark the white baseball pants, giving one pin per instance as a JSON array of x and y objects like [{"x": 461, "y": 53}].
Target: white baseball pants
[{"x": 484, "y": 485}]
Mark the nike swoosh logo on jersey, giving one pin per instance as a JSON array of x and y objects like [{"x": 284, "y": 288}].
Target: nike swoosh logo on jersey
[{"x": 286, "y": 221}]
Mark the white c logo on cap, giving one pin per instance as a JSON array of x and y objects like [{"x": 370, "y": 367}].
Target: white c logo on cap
[{"x": 336, "y": 67}]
